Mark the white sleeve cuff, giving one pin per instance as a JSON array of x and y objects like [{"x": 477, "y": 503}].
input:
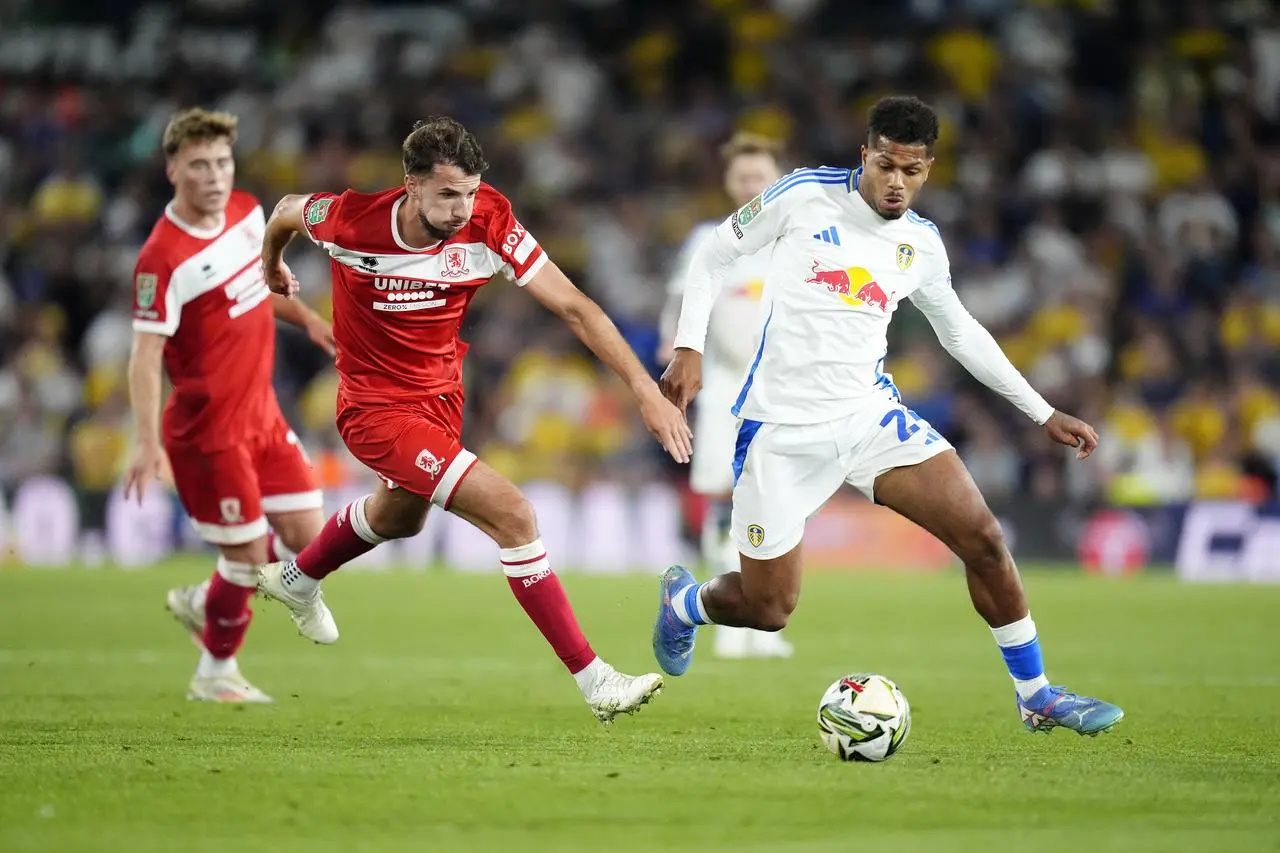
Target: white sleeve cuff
[{"x": 532, "y": 270}]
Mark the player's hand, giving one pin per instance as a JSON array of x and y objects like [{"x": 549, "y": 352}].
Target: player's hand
[
  {"x": 682, "y": 379},
  {"x": 667, "y": 424},
  {"x": 1073, "y": 432},
  {"x": 321, "y": 334},
  {"x": 280, "y": 278},
  {"x": 147, "y": 466}
]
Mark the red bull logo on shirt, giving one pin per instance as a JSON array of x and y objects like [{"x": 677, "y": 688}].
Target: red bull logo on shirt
[
  {"x": 753, "y": 290},
  {"x": 854, "y": 285}
]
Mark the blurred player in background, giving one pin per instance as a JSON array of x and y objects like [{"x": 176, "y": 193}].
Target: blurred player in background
[
  {"x": 406, "y": 263},
  {"x": 818, "y": 410},
  {"x": 203, "y": 314},
  {"x": 750, "y": 166}
]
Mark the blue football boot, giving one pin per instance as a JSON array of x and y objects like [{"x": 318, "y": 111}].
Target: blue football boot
[
  {"x": 1054, "y": 706},
  {"x": 672, "y": 639}
]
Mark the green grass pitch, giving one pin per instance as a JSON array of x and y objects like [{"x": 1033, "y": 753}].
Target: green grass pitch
[{"x": 441, "y": 721}]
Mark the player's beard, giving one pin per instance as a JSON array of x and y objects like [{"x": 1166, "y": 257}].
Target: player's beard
[
  {"x": 436, "y": 233},
  {"x": 874, "y": 204}
]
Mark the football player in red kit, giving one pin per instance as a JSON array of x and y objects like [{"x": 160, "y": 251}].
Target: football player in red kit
[
  {"x": 203, "y": 314},
  {"x": 406, "y": 263}
]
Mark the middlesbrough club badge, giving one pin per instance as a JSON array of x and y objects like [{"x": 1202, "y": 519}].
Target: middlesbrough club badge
[{"x": 455, "y": 262}]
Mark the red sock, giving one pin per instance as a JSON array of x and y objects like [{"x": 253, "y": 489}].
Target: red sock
[
  {"x": 345, "y": 536},
  {"x": 539, "y": 592},
  {"x": 226, "y": 608}
]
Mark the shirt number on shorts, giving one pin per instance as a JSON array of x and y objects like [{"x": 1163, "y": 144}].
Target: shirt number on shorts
[{"x": 906, "y": 429}]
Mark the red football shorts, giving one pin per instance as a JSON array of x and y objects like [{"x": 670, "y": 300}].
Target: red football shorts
[
  {"x": 228, "y": 492},
  {"x": 412, "y": 446}
]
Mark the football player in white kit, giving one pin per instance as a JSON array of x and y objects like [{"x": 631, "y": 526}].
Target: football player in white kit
[
  {"x": 750, "y": 166},
  {"x": 817, "y": 409}
]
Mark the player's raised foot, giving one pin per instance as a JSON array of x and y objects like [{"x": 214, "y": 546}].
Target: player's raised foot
[
  {"x": 672, "y": 639},
  {"x": 613, "y": 693},
  {"x": 769, "y": 644},
  {"x": 310, "y": 614},
  {"x": 1054, "y": 706},
  {"x": 231, "y": 689},
  {"x": 186, "y": 603}
]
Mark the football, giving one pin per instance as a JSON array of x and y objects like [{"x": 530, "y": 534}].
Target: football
[{"x": 864, "y": 717}]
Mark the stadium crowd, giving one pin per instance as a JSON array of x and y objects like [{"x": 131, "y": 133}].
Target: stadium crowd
[{"x": 1107, "y": 181}]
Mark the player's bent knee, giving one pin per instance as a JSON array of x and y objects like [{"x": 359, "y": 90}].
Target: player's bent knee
[
  {"x": 983, "y": 547},
  {"x": 772, "y": 617},
  {"x": 516, "y": 521},
  {"x": 295, "y": 530},
  {"x": 771, "y": 612},
  {"x": 398, "y": 517},
  {"x": 248, "y": 553},
  {"x": 401, "y": 525}
]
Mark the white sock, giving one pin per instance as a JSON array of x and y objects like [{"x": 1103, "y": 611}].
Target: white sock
[
  {"x": 589, "y": 674},
  {"x": 688, "y": 605},
  {"x": 1027, "y": 689},
  {"x": 301, "y": 585},
  {"x": 211, "y": 667},
  {"x": 1020, "y": 645}
]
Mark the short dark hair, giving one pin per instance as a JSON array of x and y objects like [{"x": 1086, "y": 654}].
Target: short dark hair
[
  {"x": 904, "y": 119},
  {"x": 441, "y": 139}
]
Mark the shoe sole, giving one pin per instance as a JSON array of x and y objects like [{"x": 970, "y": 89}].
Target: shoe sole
[
  {"x": 663, "y": 603},
  {"x": 1043, "y": 729},
  {"x": 196, "y": 697},
  {"x": 652, "y": 693}
]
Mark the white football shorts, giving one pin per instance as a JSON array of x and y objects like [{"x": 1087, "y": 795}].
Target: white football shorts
[{"x": 786, "y": 472}]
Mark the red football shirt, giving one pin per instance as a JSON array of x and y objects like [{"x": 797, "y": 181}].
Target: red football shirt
[
  {"x": 204, "y": 291},
  {"x": 396, "y": 309}
]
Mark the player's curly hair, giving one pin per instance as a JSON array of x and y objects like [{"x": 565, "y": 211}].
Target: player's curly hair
[
  {"x": 197, "y": 125},
  {"x": 904, "y": 119},
  {"x": 441, "y": 139}
]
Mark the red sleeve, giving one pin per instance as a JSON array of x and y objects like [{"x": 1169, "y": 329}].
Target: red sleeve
[
  {"x": 320, "y": 215},
  {"x": 156, "y": 306},
  {"x": 520, "y": 252}
]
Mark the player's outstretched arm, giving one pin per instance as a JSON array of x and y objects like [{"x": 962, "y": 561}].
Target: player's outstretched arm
[
  {"x": 969, "y": 343},
  {"x": 146, "y": 360},
  {"x": 551, "y": 287},
  {"x": 758, "y": 223},
  {"x": 285, "y": 222},
  {"x": 703, "y": 281}
]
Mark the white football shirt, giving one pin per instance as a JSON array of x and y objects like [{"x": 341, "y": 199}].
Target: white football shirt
[{"x": 836, "y": 274}]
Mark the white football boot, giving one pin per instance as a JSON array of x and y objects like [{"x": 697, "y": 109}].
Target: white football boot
[
  {"x": 231, "y": 689},
  {"x": 186, "y": 603},
  {"x": 768, "y": 644},
  {"x": 311, "y": 615},
  {"x": 731, "y": 643},
  {"x": 611, "y": 693}
]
